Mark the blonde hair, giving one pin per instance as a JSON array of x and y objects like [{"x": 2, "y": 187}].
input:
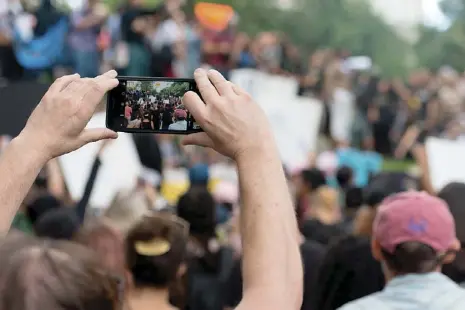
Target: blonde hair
[{"x": 325, "y": 206}]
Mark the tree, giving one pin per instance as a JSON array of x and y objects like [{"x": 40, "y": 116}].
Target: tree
[{"x": 445, "y": 47}]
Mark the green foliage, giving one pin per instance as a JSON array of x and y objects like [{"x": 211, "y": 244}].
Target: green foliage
[
  {"x": 314, "y": 24},
  {"x": 444, "y": 47},
  {"x": 176, "y": 89}
]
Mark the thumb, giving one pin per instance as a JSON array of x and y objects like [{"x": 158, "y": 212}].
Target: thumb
[
  {"x": 199, "y": 138},
  {"x": 96, "y": 134}
]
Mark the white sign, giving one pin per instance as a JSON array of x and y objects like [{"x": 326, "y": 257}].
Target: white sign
[
  {"x": 120, "y": 167},
  {"x": 445, "y": 161}
]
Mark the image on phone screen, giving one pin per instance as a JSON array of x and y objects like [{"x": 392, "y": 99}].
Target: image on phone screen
[{"x": 150, "y": 105}]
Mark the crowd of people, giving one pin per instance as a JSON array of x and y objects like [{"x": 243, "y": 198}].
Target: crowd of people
[
  {"x": 278, "y": 238},
  {"x": 150, "y": 111}
]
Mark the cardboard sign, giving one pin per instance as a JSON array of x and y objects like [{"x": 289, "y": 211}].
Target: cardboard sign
[
  {"x": 120, "y": 167},
  {"x": 445, "y": 161}
]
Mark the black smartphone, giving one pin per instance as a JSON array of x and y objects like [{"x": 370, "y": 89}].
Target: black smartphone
[{"x": 150, "y": 105}]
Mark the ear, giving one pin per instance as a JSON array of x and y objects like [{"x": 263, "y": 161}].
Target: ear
[
  {"x": 376, "y": 250},
  {"x": 453, "y": 249}
]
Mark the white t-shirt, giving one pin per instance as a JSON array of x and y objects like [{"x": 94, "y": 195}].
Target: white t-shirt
[{"x": 342, "y": 114}]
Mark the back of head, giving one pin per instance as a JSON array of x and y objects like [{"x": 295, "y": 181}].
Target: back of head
[
  {"x": 41, "y": 205},
  {"x": 106, "y": 241},
  {"x": 126, "y": 209},
  {"x": 325, "y": 206},
  {"x": 155, "y": 250},
  {"x": 199, "y": 175},
  {"x": 53, "y": 275},
  {"x": 61, "y": 223},
  {"x": 198, "y": 208},
  {"x": 414, "y": 232},
  {"x": 313, "y": 178},
  {"x": 344, "y": 176},
  {"x": 454, "y": 195}
]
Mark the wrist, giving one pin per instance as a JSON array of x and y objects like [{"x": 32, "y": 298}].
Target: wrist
[
  {"x": 264, "y": 151},
  {"x": 34, "y": 147}
]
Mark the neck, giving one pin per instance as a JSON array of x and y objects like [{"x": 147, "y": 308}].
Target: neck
[{"x": 149, "y": 298}]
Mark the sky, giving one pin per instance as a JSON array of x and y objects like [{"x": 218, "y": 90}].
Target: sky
[{"x": 433, "y": 14}]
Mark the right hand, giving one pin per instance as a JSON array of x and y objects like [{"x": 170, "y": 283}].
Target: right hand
[{"x": 233, "y": 123}]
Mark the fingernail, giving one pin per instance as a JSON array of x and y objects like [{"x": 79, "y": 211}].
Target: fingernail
[{"x": 198, "y": 72}]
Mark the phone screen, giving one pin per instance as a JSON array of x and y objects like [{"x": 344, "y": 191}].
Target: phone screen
[{"x": 150, "y": 105}]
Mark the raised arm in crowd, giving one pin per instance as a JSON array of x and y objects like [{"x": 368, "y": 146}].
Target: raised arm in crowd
[{"x": 234, "y": 125}]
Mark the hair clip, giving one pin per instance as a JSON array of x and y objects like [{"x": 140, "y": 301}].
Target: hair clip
[{"x": 154, "y": 247}]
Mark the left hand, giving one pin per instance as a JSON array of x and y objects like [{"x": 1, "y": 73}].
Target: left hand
[{"x": 57, "y": 125}]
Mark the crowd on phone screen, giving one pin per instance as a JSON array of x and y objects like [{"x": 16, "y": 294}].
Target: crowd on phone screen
[
  {"x": 150, "y": 111},
  {"x": 381, "y": 245}
]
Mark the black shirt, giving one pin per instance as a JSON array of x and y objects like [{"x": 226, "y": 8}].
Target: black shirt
[{"x": 312, "y": 257}]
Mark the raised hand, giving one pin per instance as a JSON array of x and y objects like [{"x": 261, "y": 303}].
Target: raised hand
[
  {"x": 232, "y": 122},
  {"x": 57, "y": 125}
]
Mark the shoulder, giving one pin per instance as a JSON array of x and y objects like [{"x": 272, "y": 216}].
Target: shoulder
[{"x": 366, "y": 303}]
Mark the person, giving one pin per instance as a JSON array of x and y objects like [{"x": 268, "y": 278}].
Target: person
[
  {"x": 135, "y": 123},
  {"x": 413, "y": 237},
  {"x": 85, "y": 28},
  {"x": 180, "y": 120},
  {"x": 147, "y": 122},
  {"x": 209, "y": 263},
  {"x": 272, "y": 269},
  {"x": 155, "y": 253},
  {"x": 127, "y": 112},
  {"x": 453, "y": 195}
]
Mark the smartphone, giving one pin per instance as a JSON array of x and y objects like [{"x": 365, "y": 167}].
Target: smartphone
[{"x": 150, "y": 105}]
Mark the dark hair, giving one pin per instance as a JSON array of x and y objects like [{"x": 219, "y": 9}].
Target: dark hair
[
  {"x": 53, "y": 275},
  {"x": 156, "y": 269},
  {"x": 344, "y": 176},
  {"x": 348, "y": 272},
  {"x": 60, "y": 223},
  {"x": 354, "y": 198},
  {"x": 313, "y": 178},
  {"x": 198, "y": 208},
  {"x": 41, "y": 205},
  {"x": 412, "y": 257}
]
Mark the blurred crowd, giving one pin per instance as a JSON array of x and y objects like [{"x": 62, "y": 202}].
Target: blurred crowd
[{"x": 374, "y": 241}]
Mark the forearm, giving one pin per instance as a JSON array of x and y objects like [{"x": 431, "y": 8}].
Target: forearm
[
  {"x": 19, "y": 165},
  {"x": 272, "y": 265}
]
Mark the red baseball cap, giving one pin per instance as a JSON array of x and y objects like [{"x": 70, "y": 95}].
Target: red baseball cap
[
  {"x": 414, "y": 216},
  {"x": 180, "y": 113}
]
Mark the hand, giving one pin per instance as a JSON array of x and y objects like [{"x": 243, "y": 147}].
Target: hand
[
  {"x": 103, "y": 147},
  {"x": 57, "y": 125},
  {"x": 232, "y": 122}
]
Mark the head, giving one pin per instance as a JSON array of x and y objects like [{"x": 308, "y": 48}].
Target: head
[
  {"x": 325, "y": 206},
  {"x": 180, "y": 115},
  {"x": 383, "y": 86},
  {"x": 345, "y": 177},
  {"x": 156, "y": 249},
  {"x": 311, "y": 180},
  {"x": 199, "y": 175},
  {"x": 198, "y": 208},
  {"x": 453, "y": 194},
  {"x": 106, "y": 242},
  {"x": 61, "y": 224},
  {"x": 55, "y": 275},
  {"x": 41, "y": 205},
  {"x": 413, "y": 233},
  {"x": 126, "y": 209}
]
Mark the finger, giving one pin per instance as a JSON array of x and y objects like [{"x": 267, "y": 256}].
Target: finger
[
  {"x": 63, "y": 82},
  {"x": 194, "y": 104},
  {"x": 199, "y": 138},
  {"x": 238, "y": 90},
  {"x": 96, "y": 134},
  {"x": 206, "y": 88},
  {"x": 221, "y": 84},
  {"x": 109, "y": 74}
]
